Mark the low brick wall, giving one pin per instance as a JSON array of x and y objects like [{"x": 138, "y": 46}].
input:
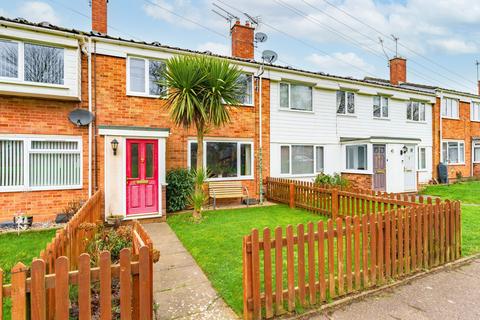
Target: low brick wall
[{"x": 358, "y": 180}]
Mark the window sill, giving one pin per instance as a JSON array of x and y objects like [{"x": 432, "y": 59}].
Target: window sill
[
  {"x": 32, "y": 189},
  {"x": 475, "y": 120},
  {"x": 381, "y": 118},
  {"x": 416, "y": 122},
  {"x": 33, "y": 84},
  {"x": 456, "y": 164},
  {"x": 293, "y": 110},
  {"x": 341, "y": 115},
  {"x": 230, "y": 179},
  {"x": 297, "y": 176},
  {"x": 140, "y": 95},
  {"x": 449, "y": 118},
  {"x": 367, "y": 172}
]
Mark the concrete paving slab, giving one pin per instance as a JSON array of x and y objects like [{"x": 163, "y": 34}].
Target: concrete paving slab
[{"x": 181, "y": 289}]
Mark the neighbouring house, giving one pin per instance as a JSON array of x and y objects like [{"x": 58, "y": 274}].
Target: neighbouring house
[{"x": 381, "y": 134}]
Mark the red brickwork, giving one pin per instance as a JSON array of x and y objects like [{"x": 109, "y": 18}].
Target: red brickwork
[
  {"x": 99, "y": 15},
  {"x": 242, "y": 41},
  {"x": 398, "y": 70},
  {"x": 357, "y": 180}
]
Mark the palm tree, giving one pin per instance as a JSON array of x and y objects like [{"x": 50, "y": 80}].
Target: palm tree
[{"x": 201, "y": 91}]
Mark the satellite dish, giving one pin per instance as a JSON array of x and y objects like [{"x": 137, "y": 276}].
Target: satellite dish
[
  {"x": 80, "y": 117},
  {"x": 260, "y": 37},
  {"x": 269, "y": 56}
]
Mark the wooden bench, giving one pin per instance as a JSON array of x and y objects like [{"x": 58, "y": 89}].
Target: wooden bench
[{"x": 226, "y": 190}]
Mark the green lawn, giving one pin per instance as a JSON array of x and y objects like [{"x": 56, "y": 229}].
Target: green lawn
[
  {"x": 23, "y": 248},
  {"x": 467, "y": 192},
  {"x": 216, "y": 242}
]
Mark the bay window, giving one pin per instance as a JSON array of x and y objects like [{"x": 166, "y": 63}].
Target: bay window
[
  {"x": 453, "y": 152},
  {"x": 356, "y": 157},
  {"x": 380, "y": 107},
  {"x": 416, "y": 111},
  {"x": 31, "y": 62},
  {"x": 301, "y": 159},
  {"x": 345, "y": 102},
  {"x": 450, "y": 108},
  {"x": 144, "y": 76},
  {"x": 246, "y": 83},
  {"x": 225, "y": 159},
  {"x": 296, "y": 97},
  {"x": 475, "y": 111},
  {"x": 33, "y": 163}
]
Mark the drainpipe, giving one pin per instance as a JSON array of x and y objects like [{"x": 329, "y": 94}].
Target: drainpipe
[
  {"x": 260, "y": 125},
  {"x": 441, "y": 130},
  {"x": 90, "y": 109}
]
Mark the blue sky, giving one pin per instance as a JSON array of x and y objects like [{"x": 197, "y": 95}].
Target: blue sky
[{"x": 440, "y": 38}]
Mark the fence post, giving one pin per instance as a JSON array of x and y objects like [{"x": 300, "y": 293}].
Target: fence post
[
  {"x": 292, "y": 195},
  {"x": 247, "y": 278},
  {"x": 19, "y": 292},
  {"x": 334, "y": 203}
]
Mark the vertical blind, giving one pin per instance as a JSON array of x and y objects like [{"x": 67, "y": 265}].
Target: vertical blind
[{"x": 50, "y": 163}]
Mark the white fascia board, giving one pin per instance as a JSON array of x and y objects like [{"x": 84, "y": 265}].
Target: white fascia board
[{"x": 22, "y": 34}]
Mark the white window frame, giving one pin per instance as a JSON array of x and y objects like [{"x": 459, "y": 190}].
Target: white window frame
[
  {"x": 290, "y": 97},
  {"x": 345, "y": 158},
  {"x": 421, "y": 105},
  {"x": 27, "y": 150},
  {"x": 475, "y": 109},
  {"x": 314, "y": 173},
  {"x": 475, "y": 145},
  {"x": 419, "y": 152},
  {"x": 146, "y": 93},
  {"x": 239, "y": 143},
  {"x": 458, "y": 142},
  {"x": 381, "y": 97},
  {"x": 21, "y": 65},
  {"x": 346, "y": 93},
  {"x": 251, "y": 93},
  {"x": 444, "y": 114}
]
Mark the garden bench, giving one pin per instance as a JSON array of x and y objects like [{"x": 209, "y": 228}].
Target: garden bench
[{"x": 225, "y": 190}]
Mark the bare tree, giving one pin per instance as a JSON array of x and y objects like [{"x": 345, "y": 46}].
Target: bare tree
[{"x": 43, "y": 64}]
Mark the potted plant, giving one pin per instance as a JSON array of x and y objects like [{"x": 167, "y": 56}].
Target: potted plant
[{"x": 114, "y": 220}]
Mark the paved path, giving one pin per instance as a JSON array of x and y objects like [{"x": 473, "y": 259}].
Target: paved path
[
  {"x": 450, "y": 294},
  {"x": 180, "y": 288}
]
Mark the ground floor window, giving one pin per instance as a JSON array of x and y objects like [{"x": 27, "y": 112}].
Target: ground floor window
[
  {"x": 225, "y": 159},
  {"x": 356, "y": 157},
  {"x": 40, "y": 163},
  {"x": 476, "y": 151},
  {"x": 453, "y": 152},
  {"x": 301, "y": 159},
  {"x": 422, "y": 158}
]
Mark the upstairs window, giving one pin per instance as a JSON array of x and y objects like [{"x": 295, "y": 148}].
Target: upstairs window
[
  {"x": 475, "y": 111},
  {"x": 453, "y": 152},
  {"x": 8, "y": 59},
  {"x": 356, "y": 157},
  {"x": 31, "y": 62},
  {"x": 416, "y": 111},
  {"x": 296, "y": 97},
  {"x": 450, "y": 108},
  {"x": 144, "y": 75},
  {"x": 40, "y": 164},
  {"x": 246, "y": 83},
  {"x": 345, "y": 102},
  {"x": 380, "y": 107}
]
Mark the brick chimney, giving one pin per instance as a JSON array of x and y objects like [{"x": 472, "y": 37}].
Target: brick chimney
[
  {"x": 99, "y": 15},
  {"x": 242, "y": 40},
  {"x": 398, "y": 70}
]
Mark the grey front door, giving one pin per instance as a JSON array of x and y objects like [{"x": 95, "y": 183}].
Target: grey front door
[{"x": 379, "y": 167}]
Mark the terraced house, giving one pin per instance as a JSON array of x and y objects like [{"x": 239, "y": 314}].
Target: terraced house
[{"x": 381, "y": 134}]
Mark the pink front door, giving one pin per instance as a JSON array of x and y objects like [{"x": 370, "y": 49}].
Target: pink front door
[{"x": 142, "y": 176}]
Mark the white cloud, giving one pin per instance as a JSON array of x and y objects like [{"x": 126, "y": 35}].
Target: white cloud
[
  {"x": 38, "y": 11},
  {"x": 342, "y": 63},
  {"x": 455, "y": 46},
  {"x": 215, "y": 47}
]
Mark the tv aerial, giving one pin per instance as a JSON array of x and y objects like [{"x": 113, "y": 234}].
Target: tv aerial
[
  {"x": 80, "y": 117},
  {"x": 227, "y": 15},
  {"x": 269, "y": 56}
]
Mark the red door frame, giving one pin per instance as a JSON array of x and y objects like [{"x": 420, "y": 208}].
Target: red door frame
[{"x": 142, "y": 194}]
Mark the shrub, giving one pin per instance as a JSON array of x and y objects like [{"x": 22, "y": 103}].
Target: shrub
[
  {"x": 459, "y": 176},
  {"x": 335, "y": 180},
  {"x": 179, "y": 189},
  {"x": 113, "y": 240}
]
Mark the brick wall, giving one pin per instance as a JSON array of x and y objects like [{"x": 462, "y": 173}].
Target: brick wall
[
  {"x": 398, "y": 70},
  {"x": 116, "y": 108},
  {"x": 359, "y": 180},
  {"x": 455, "y": 129},
  {"x": 99, "y": 15},
  {"x": 242, "y": 41}
]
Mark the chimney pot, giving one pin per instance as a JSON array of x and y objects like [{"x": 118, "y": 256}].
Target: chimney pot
[
  {"x": 99, "y": 16},
  {"x": 242, "y": 40},
  {"x": 398, "y": 70}
]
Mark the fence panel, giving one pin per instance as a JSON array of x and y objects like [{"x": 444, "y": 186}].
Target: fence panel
[{"x": 361, "y": 252}]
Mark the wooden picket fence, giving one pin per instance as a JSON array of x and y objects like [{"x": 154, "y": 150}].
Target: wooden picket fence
[
  {"x": 283, "y": 270},
  {"x": 70, "y": 240},
  {"x": 29, "y": 291},
  {"x": 333, "y": 202}
]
